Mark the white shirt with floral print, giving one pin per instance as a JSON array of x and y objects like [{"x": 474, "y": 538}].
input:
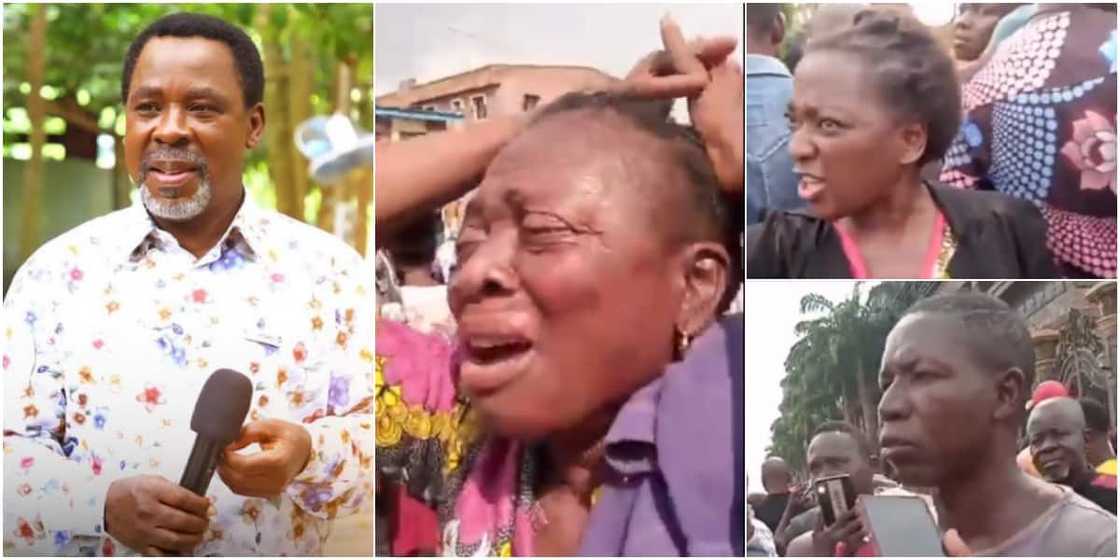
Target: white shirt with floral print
[{"x": 110, "y": 331}]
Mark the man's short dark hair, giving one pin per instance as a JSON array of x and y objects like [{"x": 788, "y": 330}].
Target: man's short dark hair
[
  {"x": 416, "y": 243},
  {"x": 246, "y": 57},
  {"x": 914, "y": 75},
  {"x": 711, "y": 213},
  {"x": 837, "y": 426},
  {"x": 997, "y": 335},
  {"x": 762, "y": 18},
  {"x": 1096, "y": 415},
  {"x": 795, "y": 51}
]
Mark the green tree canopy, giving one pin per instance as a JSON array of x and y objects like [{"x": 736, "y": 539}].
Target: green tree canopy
[{"x": 832, "y": 370}]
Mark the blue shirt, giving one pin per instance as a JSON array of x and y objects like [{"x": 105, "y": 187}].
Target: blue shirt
[{"x": 771, "y": 183}]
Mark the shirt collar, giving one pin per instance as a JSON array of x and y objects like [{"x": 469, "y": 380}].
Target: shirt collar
[
  {"x": 247, "y": 231},
  {"x": 760, "y": 64},
  {"x": 631, "y": 442}
]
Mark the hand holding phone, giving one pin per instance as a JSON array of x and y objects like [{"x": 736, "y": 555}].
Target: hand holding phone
[
  {"x": 847, "y": 529},
  {"x": 835, "y": 495},
  {"x": 900, "y": 526}
]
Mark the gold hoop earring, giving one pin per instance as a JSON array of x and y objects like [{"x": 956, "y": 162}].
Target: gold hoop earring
[{"x": 684, "y": 340}]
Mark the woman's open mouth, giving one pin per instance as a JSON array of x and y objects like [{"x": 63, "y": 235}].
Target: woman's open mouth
[
  {"x": 490, "y": 362},
  {"x": 809, "y": 187}
]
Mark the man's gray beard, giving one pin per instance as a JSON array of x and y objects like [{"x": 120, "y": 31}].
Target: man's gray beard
[{"x": 177, "y": 210}]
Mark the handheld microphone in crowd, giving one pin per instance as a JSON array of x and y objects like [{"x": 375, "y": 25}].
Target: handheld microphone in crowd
[{"x": 217, "y": 418}]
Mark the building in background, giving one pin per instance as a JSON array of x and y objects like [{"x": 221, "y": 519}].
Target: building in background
[
  {"x": 494, "y": 90},
  {"x": 1073, "y": 327},
  {"x": 490, "y": 91}
]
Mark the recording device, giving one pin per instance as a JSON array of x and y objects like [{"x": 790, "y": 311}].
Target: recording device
[
  {"x": 217, "y": 418},
  {"x": 835, "y": 495},
  {"x": 899, "y": 526}
]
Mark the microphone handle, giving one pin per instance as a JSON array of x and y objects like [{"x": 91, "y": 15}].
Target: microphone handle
[
  {"x": 201, "y": 465},
  {"x": 199, "y": 470}
]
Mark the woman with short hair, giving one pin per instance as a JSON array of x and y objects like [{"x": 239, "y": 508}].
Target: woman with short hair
[{"x": 872, "y": 104}]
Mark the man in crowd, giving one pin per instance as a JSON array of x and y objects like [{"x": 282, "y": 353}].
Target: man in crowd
[
  {"x": 423, "y": 293},
  {"x": 1045, "y": 390},
  {"x": 837, "y": 448},
  {"x": 973, "y": 27},
  {"x": 772, "y": 184},
  {"x": 760, "y": 540},
  {"x": 112, "y": 328},
  {"x": 956, "y": 374},
  {"x": 1099, "y": 433},
  {"x": 1057, "y": 433},
  {"x": 776, "y": 480}
]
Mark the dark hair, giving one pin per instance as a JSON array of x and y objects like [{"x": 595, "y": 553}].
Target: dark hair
[
  {"x": 1003, "y": 8},
  {"x": 1096, "y": 415},
  {"x": 246, "y": 58},
  {"x": 913, "y": 74},
  {"x": 836, "y": 426},
  {"x": 415, "y": 244},
  {"x": 795, "y": 51},
  {"x": 711, "y": 214},
  {"x": 997, "y": 335},
  {"x": 761, "y": 18}
]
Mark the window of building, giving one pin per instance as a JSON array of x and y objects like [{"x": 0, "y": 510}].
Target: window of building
[
  {"x": 530, "y": 102},
  {"x": 457, "y": 106},
  {"x": 429, "y": 107},
  {"x": 479, "y": 103}
]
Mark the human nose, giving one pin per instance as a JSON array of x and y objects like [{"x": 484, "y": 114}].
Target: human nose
[{"x": 171, "y": 129}]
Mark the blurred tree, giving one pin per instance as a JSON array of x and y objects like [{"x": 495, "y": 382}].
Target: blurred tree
[{"x": 33, "y": 174}]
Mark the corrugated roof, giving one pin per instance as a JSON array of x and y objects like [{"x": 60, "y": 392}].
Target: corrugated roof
[{"x": 416, "y": 114}]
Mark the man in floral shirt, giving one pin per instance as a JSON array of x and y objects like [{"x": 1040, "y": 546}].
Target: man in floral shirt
[{"x": 111, "y": 329}]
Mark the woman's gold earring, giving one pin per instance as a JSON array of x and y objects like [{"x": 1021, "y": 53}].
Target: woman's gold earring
[{"x": 684, "y": 340}]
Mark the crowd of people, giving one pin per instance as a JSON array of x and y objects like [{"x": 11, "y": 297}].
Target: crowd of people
[
  {"x": 875, "y": 150},
  {"x": 570, "y": 380},
  {"x": 956, "y": 408}
]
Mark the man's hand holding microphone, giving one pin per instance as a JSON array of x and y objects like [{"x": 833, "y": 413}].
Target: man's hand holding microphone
[{"x": 156, "y": 517}]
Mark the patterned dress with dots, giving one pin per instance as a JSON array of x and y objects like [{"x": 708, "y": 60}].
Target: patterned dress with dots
[{"x": 1040, "y": 124}]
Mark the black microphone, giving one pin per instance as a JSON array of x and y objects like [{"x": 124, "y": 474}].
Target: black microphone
[{"x": 217, "y": 418}]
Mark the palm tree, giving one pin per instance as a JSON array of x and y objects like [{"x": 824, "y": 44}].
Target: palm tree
[
  {"x": 832, "y": 369},
  {"x": 836, "y": 343}
]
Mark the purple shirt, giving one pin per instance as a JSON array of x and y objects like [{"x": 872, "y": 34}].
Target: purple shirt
[{"x": 675, "y": 452}]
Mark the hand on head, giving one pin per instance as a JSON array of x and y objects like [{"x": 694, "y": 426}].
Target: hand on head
[
  {"x": 679, "y": 70},
  {"x": 285, "y": 451},
  {"x": 702, "y": 71}
]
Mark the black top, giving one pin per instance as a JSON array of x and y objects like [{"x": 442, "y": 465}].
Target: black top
[
  {"x": 1093, "y": 489},
  {"x": 997, "y": 237},
  {"x": 771, "y": 509}
]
